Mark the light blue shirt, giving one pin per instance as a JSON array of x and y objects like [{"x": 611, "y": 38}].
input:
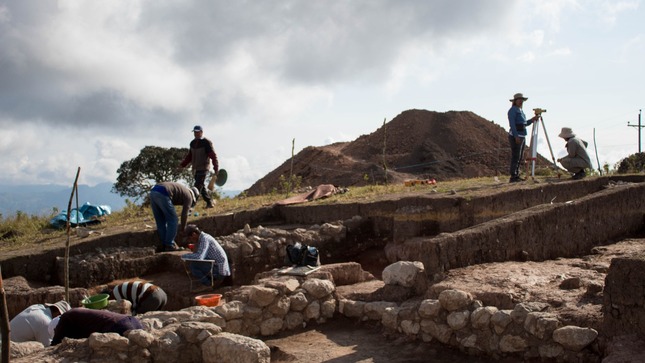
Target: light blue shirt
[{"x": 32, "y": 325}]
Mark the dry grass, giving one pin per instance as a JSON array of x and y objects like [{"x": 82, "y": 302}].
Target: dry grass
[{"x": 22, "y": 231}]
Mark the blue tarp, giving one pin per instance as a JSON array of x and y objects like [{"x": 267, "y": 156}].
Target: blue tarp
[{"x": 86, "y": 214}]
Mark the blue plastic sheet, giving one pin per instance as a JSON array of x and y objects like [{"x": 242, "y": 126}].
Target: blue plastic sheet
[{"x": 87, "y": 214}]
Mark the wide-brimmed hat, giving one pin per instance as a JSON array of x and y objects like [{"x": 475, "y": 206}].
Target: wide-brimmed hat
[
  {"x": 566, "y": 133},
  {"x": 518, "y": 95},
  {"x": 62, "y": 306}
]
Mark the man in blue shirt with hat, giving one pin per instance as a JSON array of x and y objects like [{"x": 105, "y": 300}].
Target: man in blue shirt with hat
[{"x": 517, "y": 134}]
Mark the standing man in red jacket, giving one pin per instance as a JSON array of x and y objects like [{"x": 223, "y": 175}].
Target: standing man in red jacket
[{"x": 201, "y": 150}]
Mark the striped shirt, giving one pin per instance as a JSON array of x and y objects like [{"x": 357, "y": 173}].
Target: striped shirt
[
  {"x": 209, "y": 249},
  {"x": 133, "y": 291}
]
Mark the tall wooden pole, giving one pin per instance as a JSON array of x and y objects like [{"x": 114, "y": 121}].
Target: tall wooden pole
[
  {"x": 69, "y": 212},
  {"x": 595, "y": 146},
  {"x": 639, "y": 130},
  {"x": 4, "y": 327},
  {"x": 293, "y": 148},
  {"x": 384, "y": 149}
]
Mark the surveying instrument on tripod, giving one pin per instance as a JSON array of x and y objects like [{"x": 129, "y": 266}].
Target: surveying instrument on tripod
[{"x": 534, "y": 142}]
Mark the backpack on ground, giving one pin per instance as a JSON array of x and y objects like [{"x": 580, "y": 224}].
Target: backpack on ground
[{"x": 303, "y": 255}]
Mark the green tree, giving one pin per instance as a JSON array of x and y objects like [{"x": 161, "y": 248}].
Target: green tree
[
  {"x": 634, "y": 163},
  {"x": 153, "y": 165}
]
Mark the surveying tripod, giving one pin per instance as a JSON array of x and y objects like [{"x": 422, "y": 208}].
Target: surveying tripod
[{"x": 534, "y": 142}]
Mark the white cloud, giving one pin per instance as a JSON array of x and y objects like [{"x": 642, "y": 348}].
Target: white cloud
[
  {"x": 240, "y": 173},
  {"x": 550, "y": 12},
  {"x": 340, "y": 137},
  {"x": 95, "y": 49},
  {"x": 102, "y": 80},
  {"x": 527, "y": 57},
  {"x": 632, "y": 48},
  {"x": 560, "y": 52},
  {"x": 4, "y": 13},
  {"x": 611, "y": 9}
]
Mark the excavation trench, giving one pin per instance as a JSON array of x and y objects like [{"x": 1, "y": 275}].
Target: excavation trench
[{"x": 444, "y": 232}]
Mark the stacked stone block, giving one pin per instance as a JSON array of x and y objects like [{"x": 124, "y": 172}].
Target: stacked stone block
[{"x": 457, "y": 320}]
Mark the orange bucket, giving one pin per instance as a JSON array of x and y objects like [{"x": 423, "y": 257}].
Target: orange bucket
[{"x": 208, "y": 299}]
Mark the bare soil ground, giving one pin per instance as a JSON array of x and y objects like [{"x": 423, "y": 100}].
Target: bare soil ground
[
  {"x": 572, "y": 288},
  {"x": 347, "y": 341},
  {"x": 419, "y": 144}
]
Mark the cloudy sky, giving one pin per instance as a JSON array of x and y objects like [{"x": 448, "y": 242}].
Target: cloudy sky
[{"x": 90, "y": 83}]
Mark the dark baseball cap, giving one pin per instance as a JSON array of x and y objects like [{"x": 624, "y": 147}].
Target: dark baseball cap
[
  {"x": 190, "y": 229},
  {"x": 197, "y": 128}
]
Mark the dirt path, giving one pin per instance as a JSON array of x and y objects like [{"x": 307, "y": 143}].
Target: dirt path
[{"x": 347, "y": 341}]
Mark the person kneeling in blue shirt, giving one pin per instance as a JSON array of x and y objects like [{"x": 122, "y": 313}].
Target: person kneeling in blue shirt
[{"x": 206, "y": 248}]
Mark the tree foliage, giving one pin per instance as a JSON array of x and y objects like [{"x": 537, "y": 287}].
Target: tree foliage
[
  {"x": 153, "y": 165},
  {"x": 634, "y": 163}
]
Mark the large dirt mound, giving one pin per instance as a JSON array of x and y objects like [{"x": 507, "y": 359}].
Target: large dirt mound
[{"x": 419, "y": 144}]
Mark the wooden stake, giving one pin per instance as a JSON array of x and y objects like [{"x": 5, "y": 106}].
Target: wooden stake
[
  {"x": 293, "y": 148},
  {"x": 69, "y": 212},
  {"x": 4, "y": 327},
  {"x": 596, "y": 147},
  {"x": 384, "y": 149}
]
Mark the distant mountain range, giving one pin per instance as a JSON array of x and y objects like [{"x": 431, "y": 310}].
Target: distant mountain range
[{"x": 42, "y": 199}]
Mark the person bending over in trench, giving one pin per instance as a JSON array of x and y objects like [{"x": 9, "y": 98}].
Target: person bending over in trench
[
  {"x": 143, "y": 295},
  {"x": 163, "y": 199},
  {"x": 33, "y": 322},
  {"x": 80, "y": 323},
  {"x": 207, "y": 248}
]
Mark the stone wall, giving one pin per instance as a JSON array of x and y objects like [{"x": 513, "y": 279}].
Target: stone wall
[
  {"x": 396, "y": 218},
  {"x": 105, "y": 265},
  {"x": 251, "y": 251},
  {"x": 277, "y": 304},
  {"x": 457, "y": 320},
  {"x": 19, "y": 298},
  {"x": 254, "y": 250},
  {"x": 217, "y": 334},
  {"x": 543, "y": 232},
  {"x": 528, "y": 331},
  {"x": 623, "y": 297},
  {"x": 281, "y": 303},
  {"x": 182, "y": 336}
]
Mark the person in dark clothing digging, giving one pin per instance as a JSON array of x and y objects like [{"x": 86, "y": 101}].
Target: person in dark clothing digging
[
  {"x": 80, "y": 323},
  {"x": 163, "y": 199}
]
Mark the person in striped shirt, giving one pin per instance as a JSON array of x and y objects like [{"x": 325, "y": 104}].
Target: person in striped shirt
[
  {"x": 143, "y": 295},
  {"x": 206, "y": 248}
]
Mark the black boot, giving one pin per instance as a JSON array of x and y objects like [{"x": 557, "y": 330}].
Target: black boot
[{"x": 579, "y": 175}]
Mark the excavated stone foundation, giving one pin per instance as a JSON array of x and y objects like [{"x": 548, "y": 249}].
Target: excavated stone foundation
[{"x": 440, "y": 232}]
